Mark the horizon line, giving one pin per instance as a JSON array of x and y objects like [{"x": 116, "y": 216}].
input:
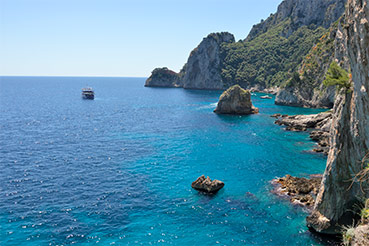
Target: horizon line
[{"x": 69, "y": 76}]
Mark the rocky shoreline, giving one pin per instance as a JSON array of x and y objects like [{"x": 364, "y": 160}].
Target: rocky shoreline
[
  {"x": 300, "y": 191},
  {"x": 317, "y": 124}
]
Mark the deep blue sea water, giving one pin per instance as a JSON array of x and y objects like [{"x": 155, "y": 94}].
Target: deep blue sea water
[{"x": 118, "y": 170}]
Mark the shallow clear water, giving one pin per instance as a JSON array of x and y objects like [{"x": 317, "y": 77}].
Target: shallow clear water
[{"x": 119, "y": 169}]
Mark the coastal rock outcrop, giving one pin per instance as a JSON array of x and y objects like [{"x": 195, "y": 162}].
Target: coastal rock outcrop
[
  {"x": 207, "y": 185},
  {"x": 349, "y": 143},
  {"x": 303, "y": 122},
  {"x": 301, "y": 191},
  {"x": 163, "y": 77},
  {"x": 203, "y": 70},
  {"x": 320, "y": 123},
  {"x": 236, "y": 101}
]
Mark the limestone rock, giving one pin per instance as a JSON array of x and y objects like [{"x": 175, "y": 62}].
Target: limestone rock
[
  {"x": 236, "y": 101},
  {"x": 302, "y": 13},
  {"x": 360, "y": 236},
  {"x": 207, "y": 185},
  {"x": 300, "y": 190},
  {"x": 308, "y": 90},
  {"x": 319, "y": 122},
  {"x": 350, "y": 132},
  {"x": 302, "y": 122},
  {"x": 203, "y": 67},
  {"x": 163, "y": 77}
]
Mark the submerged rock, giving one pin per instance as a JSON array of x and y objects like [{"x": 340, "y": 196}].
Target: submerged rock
[
  {"x": 236, "y": 101},
  {"x": 276, "y": 115},
  {"x": 300, "y": 190},
  {"x": 207, "y": 185}
]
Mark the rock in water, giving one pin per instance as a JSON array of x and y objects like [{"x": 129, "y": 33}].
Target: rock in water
[
  {"x": 207, "y": 185},
  {"x": 236, "y": 101},
  {"x": 163, "y": 77},
  {"x": 300, "y": 190},
  {"x": 321, "y": 124}
]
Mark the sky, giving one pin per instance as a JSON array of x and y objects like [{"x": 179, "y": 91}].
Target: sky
[{"x": 114, "y": 38}]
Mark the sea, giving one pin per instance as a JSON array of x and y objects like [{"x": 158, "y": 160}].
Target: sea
[{"x": 118, "y": 170}]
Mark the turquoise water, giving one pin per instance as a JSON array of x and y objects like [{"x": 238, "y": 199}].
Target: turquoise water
[{"x": 118, "y": 170}]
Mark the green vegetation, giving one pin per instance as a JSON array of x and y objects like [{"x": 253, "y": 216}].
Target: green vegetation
[
  {"x": 315, "y": 63},
  {"x": 337, "y": 76},
  {"x": 270, "y": 58}
]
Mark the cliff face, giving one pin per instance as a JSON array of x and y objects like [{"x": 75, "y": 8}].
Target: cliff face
[
  {"x": 202, "y": 70},
  {"x": 275, "y": 48},
  {"x": 308, "y": 89},
  {"x": 341, "y": 188},
  {"x": 302, "y": 13}
]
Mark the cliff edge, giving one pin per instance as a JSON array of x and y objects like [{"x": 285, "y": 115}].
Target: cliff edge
[
  {"x": 341, "y": 187},
  {"x": 203, "y": 68}
]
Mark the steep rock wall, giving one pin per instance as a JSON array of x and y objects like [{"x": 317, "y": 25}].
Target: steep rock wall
[
  {"x": 309, "y": 90},
  {"x": 340, "y": 189},
  {"x": 302, "y": 12},
  {"x": 203, "y": 70}
]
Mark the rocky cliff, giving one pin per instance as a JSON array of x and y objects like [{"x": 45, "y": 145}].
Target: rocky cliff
[
  {"x": 163, "y": 77},
  {"x": 203, "y": 67},
  {"x": 305, "y": 88},
  {"x": 272, "y": 50},
  {"x": 342, "y": 185},
  {"x": 202, "y": 70},
  {"x": 302, "y": 13},
  {"x": 275, "y": 48}
]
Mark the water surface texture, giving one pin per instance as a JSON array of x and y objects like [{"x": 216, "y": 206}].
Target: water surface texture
[{"x": 118, "y": 169}]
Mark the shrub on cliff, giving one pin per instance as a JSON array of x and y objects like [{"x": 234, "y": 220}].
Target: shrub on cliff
[{"x": 337, "y": 76}]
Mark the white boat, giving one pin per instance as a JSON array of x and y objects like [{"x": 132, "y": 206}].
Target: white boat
[{"x": 88, "y": 93}]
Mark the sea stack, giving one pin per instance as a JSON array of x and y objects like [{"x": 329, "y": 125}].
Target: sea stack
[
  {"x": 235, "y": 101},
  {"x": 207, "y": 185}
]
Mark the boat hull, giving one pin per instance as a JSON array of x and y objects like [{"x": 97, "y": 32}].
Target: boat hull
[{"x": 88, "y": 96}]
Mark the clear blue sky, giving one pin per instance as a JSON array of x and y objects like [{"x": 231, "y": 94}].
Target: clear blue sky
[{"x": 114, "y": 37}]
